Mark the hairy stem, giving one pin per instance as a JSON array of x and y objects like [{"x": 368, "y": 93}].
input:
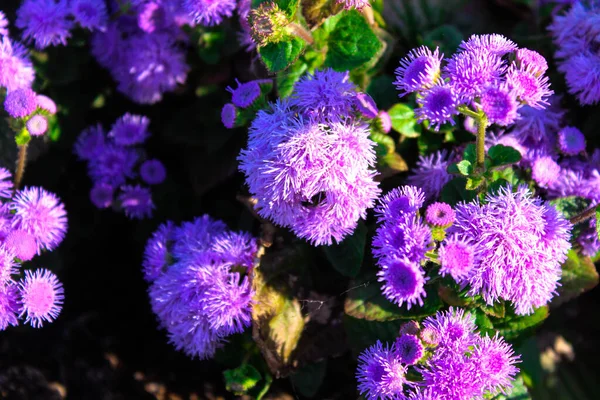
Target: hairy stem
[
  {"x": 302, "y": 33},
  {"x": 480, "y": 141},
  {"x": 21, "y": 161},
  {"x": 587, "y": 214}
]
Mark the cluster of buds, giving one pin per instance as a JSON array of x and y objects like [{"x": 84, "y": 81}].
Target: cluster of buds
[{"x": 30, "y": 113}]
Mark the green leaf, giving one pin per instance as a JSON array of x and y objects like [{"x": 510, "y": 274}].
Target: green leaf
[
  {"x": 474, "y": 183},
  {"x": 470, "y": 153},
  {"x": 519, "y": 391},
  {"x": 503, "y": 155},
  {"x": 496, "y": 310},
  {"x": 288, "y": 6},
  {"x": 241, "y": 379},
  {"x": 578, "y": 276},
  {"x": 464, "y": 167},
  {"x": 352, "y": 43},
  {"x": 22, "y": 138},
  {"x": 497, "y": 184},
  {"x": 286, "y": 80},
  {"x": 455, "y": 191},
  {"x": 483, "y": 322},
  {"x": 362, "y": 333},
  {"x": 513, "y": 326},
  {"x": 279, "y": 56},
  {"x": 364, "y": 300},
  {"x": 403, "y": 120},
  {"x": 347, "y": 256},
  {"x": 446, "y": 37},
  {"x": 570, "y": 206},
  {"x": 394, "y": 161},
  {"x": 598, "y": 221},
  {"x": 308, "y": 379}
]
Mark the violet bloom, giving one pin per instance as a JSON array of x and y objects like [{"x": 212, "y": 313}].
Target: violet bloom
[
  {"x": 20, "y": 103},
  {"x": 102, "y": 194},
  {"x": 8, "y": 267},
  {"x": 227, "y": 304},
  {"x": 409, "y": 349},
  {"x": 22, "y": 244},
  {"x": 384, "y": 121},
  {"x": 495, "y": 361},
  {"x": 41, "y": 296},
  {"x": 471, "y": 71},
  {"x": 90, "y": 14},
  {"x": 418, "y": 71},
  {"x": 439, "y": 214},
  {"x": 42, "y": 215},
  {"x": 545, "y": 171},
  {"x": 493, "y": 43},
  {"x": 454, "y": 330},
  {"x": 571, "y": 141},
  {"x": 399, "y": 204},
  {"x": 153, "y": 172},
  {"x": 209, "y": 12},
  {"x": 431, "y": 173},
  {"x": 403, "y": 281},
  {"x": 6, "y": 184},
  {"x": 45, "y": 22},
  {"x": 196, "y": 237},
  {"x": 113, "y": 165},
  {"x": 136, "y": 201},
  {"x": 130, "y": 130},
  {"x": 357, "y": 4},
  {"x": 228, "y": 115},
  {"x": 531, "y": 60},
  {"x": 409, "y": 239},
  {"x": 237, "y": 248},
  {"x": 3, "y": 25},
  {"x": 379, "y": 374},
  {"x": 16, "y": 70},
  {"x": 156, "y": 253},
  {"x": 457, "y": 258},
  {"x": 439, "y": 104},
  {"x": 244, "y": 95},
  {"x": 530, "y": 88},
  {"x": 499, "y": 105},
  {"x": 90, "y": 143},
  {"x": 37, "y": 125},
  {"x": 9, "y": 306},
  {"x": 366, "y": 105}
]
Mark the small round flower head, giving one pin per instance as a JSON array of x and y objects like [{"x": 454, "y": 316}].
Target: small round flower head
[
  {"x": 16, "y": 70},
  {"x": 409, "y": 349},
  {"x": 156, "y": 253},
  {"x": 438, "y": 105},
  {"x": 399, "y": 204},
  {"x": 229, "y": 115},
  {"x": 431, "y": 173},
  {"x": 409, "y": 239},
  {"x": 418, "y": 71},
  {"x": 537, "y": 128},
  {"x": 496, "y": 361},
  {"x": 327, "y": 93},
  {"x": 22, "y": 244},
  {"x": 545, "y": 171},
  {"x": 46, "y": 104},
  {"x": 410, "y": 328},
  {"x": 439, "y": 214},
  {"x": 493, "y": 43},
  {"x": 571, "y": 141},
  {"x": 582, "y": 73},
  {"x": 41, "y": 214},
  {"x": 6, "y": 184},
  {"x": 530, "y": 89},
  {"x": 358, "y": 4},
  {"x": 209, "y": 12},
  {"x": 470, "y": 125},
  {"x": 151, "y": 16},
  {"x": 113, "y": 165},
  {"x": 457, "y": 258},
  {"x": 91, "y": 143},
  {"x": 20, "y": 103},
  {"x": 500, "y": 105},
  {"x": 46, "y": 22},
  {"x": 8, "y": 267},
  {"x": 244, "y": 95},
  {"x": 196, "y": 236},
  {"x": 403, "y": 281},
  {"x": 3, "y": 25},
  {"x": 130, "y": 130},
  {"x": 454, "y": 329},
  {"x": 37, "y": 125},
  {"x": 238, "y": 249},
  {"x": 102, "y": 194},
  {"x": 153, "y": 172},
  {"x": 379, "y": 374},
  {"x": 136, "y": 201},
  {"x": 384, "y": 121},
  {"x": 532, "y": 61},
  {"x": 430, "y": 336},
  {"x": 366, "y": 105},
  {"x": 227, "y": 304},
  {"x": 41, "y": 297},
  {"x": 90, "y": 14},
  {"x": 472, "y": 71},
  {"x": 9, "y": 305}
]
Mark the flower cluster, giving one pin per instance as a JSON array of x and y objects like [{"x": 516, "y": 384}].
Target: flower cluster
[
  {"x": 460, "y": 364},
  {"x": 30, "y": 113},
  {"x": 576, "y": 35},
  {"x": 32, "y": 220},
  {"x": 246, "y": 99},
  {"x": 112, "y": 160},
  {"x": 479, "y": 75},
  {"x": 199, "y": 286},
  {"x": 309, "y": 159},
  {"x": 16, "y": 70}
]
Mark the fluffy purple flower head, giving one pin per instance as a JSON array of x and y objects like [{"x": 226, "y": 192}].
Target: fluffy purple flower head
[
  {"x": 9, "y": 306},
  {"x": 418, "y": 71},
  {"x": 430, "y": 336},
  {"x": 227, "y": 304},
  {"x": 90, "y": 14},
  {"x": 153, "y": 172},
  {"x": 410, "y": 327},
  {"x": 238, "y": 249},
  {"x": 209, "y": 12},
  {"x": 403, "y": 281},
  {"x": 20, "y": 103},
  {"x": 545, "y": 171},
  {"x": 41, "y": 297},
  {"x": 46, "y": 103},
  {"x": 530, "y": 88},
  {"x": 16, "y": 70},
  {"x": 113, "y": 165},
  {"x": 532, "y": 61},
  {"x": 399, "y": 204},
  {"x": 357, "y": 4},
  {"x": 439, "y": 214},
  {"x": 457, "y": 258},
  {"x": 328, "y": 94},
  {"x": 102, "y": 194},
  {"x": 582, "y": 73},
  {"x": 106, "y": 45},
  {"x": 588, "y": 239},
  {"x": 37, "y": 125},
  {"x": 438, "y": 105},
  {"x": 195, "y": 237},
  {"x": 454, "y": 329},
  {"x": 379, "y": 374},
  {"x": 91, "y": 143},
  {"x": 130, "y": 130},
  {"x": 22, "y": 244},
  {"x": 6, "y": 184},
  {"x": 366, "y": 105},
  {"x": 156, "y": 253},
  {"x": 473, "y": 70},
  {"x": 244, "y": 95},
  {"x": 384, "y": 121},
  {"x": 152, "y": 16},
  {"x": 410, "y": 239},
  {"x": 431, "y": 173},
  {"x": 41, "y": 214},
  {"x": 45, "y": 22},
  {"x": 3, "y": 25},
  {"x": 8, "y": 267},
  {"x": 571, "y": 141},
  {"x": 136, "y": 201},
  {"x": 228, "y": 115},
  {"x": 499, "y": 104},
  {"x": 495, "y": 361},
  {"x": 493, "y": 43},
  {"x": 409, "y": 349}
]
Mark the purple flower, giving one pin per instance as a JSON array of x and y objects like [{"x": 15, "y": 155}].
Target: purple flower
[
  {"x": 3, "y": 25},
  {"x": 430, "y": 336},
  {"x": 431, "y": 173},
  {"x": 588, "y": 239},
  {"x": 130, "y": 130},
  {"x": 113, "y": 165},
  {"x": 418, "y": 71},
  {"x": 495, "y": 361},
  {"x": 532, "y": 61},
  {"x": 196, "y": 237},
  {"x": 209, "y": 12},
  {"x": 90, "y": 14},
  {"x": 20, "y": 103},
  {"x": 438, "y": 105},
  {"x": 41, "y": 214},
  {"x": 228, "y": 115},
  {"x": 45, "y": 21},
  {"x": 409, "y": 239},
  {"x": 471, "y": 71},
  {"x": 530, "y": 88},
  {"x": 403, "y": 281},
  {"x": 136, "y": 201},
  {"x": 366, "y": 105},
  {"x": 153, "y": 172},
  {"x": 384, "y": 121},
  {"x": 37, "y": 125},
  {"x": 439, "y": 214},
  {"x": 379, "y": 374},
  {"x": 493, "y": 43},
  {"x": 22, "y": 244},
  {"x": 500, "y": 105},
  {"x": 102, "y": 194},
  {"x": 582, "y": 74},
  {"x": 106, "y": 46},
  {"x": 16, "y": 70},
  {"x": 9, "y": 306},
  {"x": 399, "y": 204},
  {"x": 409, "y": 349},
  {"x": 156, "y": 253},
  {"x": 41, "y": 296},
  {"x": 358, "y": 4},
  {"x": 457, "y": 258},
  {"x": 238, "y": 249},
  {"x": 6, "y": 185},
  {"x": 545, "y": 171},
  {"x": 244, "y": 95},
  {"x": 227, "y": 304},
  {"x": 91, "y": 143},
  {"x": 454, "y": 330},
  {"x": 8, "y": 267},
  {"x": 571, "y": 141}
]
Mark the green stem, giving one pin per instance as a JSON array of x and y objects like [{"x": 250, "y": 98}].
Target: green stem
[
  {"x": 21, "y": 161},
  {"x": 302, "y": 33},
  {"x": 265, "y": 389},
  {"x": 480, "y": 142},
  {"x": 585, "y": 215},
  {"x": 469, "y": 113}
]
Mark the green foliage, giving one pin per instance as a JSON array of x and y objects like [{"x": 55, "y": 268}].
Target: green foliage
[
  {"x": 511, "y": 326},
  {"x": 308, "y": 379},
  {"x": 347, "y": 256},
  {"x": 598, "y": 221},
  {"x": 503, "y": 155},
  {"x": 446, "y": 37},
  {"x": 455, "y": 191},
  {"x": 578, "y": 276},
  {"x": 287, "y": 80},
  {"x": 278, "y": 56},
  {"x": 404, "y": 121},
  {"x": 362, "y": 333},
  {"x": 519, "y": 391},
  {"x": 241, "y": 379}
]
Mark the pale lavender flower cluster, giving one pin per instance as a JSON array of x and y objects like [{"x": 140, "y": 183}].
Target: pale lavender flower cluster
[
  {"x": 112, "y": 161},
  {"x": 199, "y": 286},
  {"x": 30, "y": 109},
  {"x": 431, "y": 173},
  {"x": 575, "y": 34},
  {"x": 479, "y": 75},
  {"x": 463, "y": 365},
  {"x": 400, "y": 244},
  {"x": 309, "y": 161},
  {"x": 16, "y": 70},
  {"x": 32, "y": 220}
]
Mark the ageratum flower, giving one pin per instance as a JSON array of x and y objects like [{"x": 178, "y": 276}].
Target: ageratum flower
[
  {"x": 409, "y": 349},
  {"x": 493, "y": 43},
  {"x": 41, "y": 297},
  {"x": 90, "y": 14},
  {"x": 113, "y": 165},
  {"x": 244, "y": 95},
  {"x": 454, "y": 330},
  {"x": 545, "y": 171},
  {"x": 20, "y": 103},
  {"x": 6, "y": 184},
  {"x": 16, "y": 70},
  {"x": 9, "y": 305},
  {"x": 365, "y": 105},
  {"x": 3, "y": 25},
  {"x": 418, "y": 71},
  {"x": 379, "y": 374},
  {"x": 156, "y": 253},
  {"x": 431, "y": 174},
  {"x": 8, "y": 267},
  {"x": 102, "y": 194},
  {"x": 571, "y": 141},
  {"x": 531, "y": 89},
  {"x": 228, "y": 115},
  {"x": 499, "y": 104},
  {"x": 403, "y": 281},
  {"x": 457, "y": 258},
  {"x": 22, "y": 244},
  {"x": 473, "y": 70},
  {"x": 410, "y": 239},
  {"x": 438, "y": 104},
  {"x": 399, "y": 204},
  {"x": 45, "y": 22},
  {"x": 153, "y": 172},
  {"x": 237, "y": 248},
  {"x": 531, "y": 60},
  {"x": 209, "y": 12},
  {"x": 495, "y": 361},
  {"x": 37, "y": 125},
  {"x": 439, "y": 214},
  {"x": 136, "y": 201},
  {"x": 196, "y": 237},
  {"x": 91, "y": 143},
  {"x": 227, "y": 304},
  {"x": 130, "y": 130}
]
